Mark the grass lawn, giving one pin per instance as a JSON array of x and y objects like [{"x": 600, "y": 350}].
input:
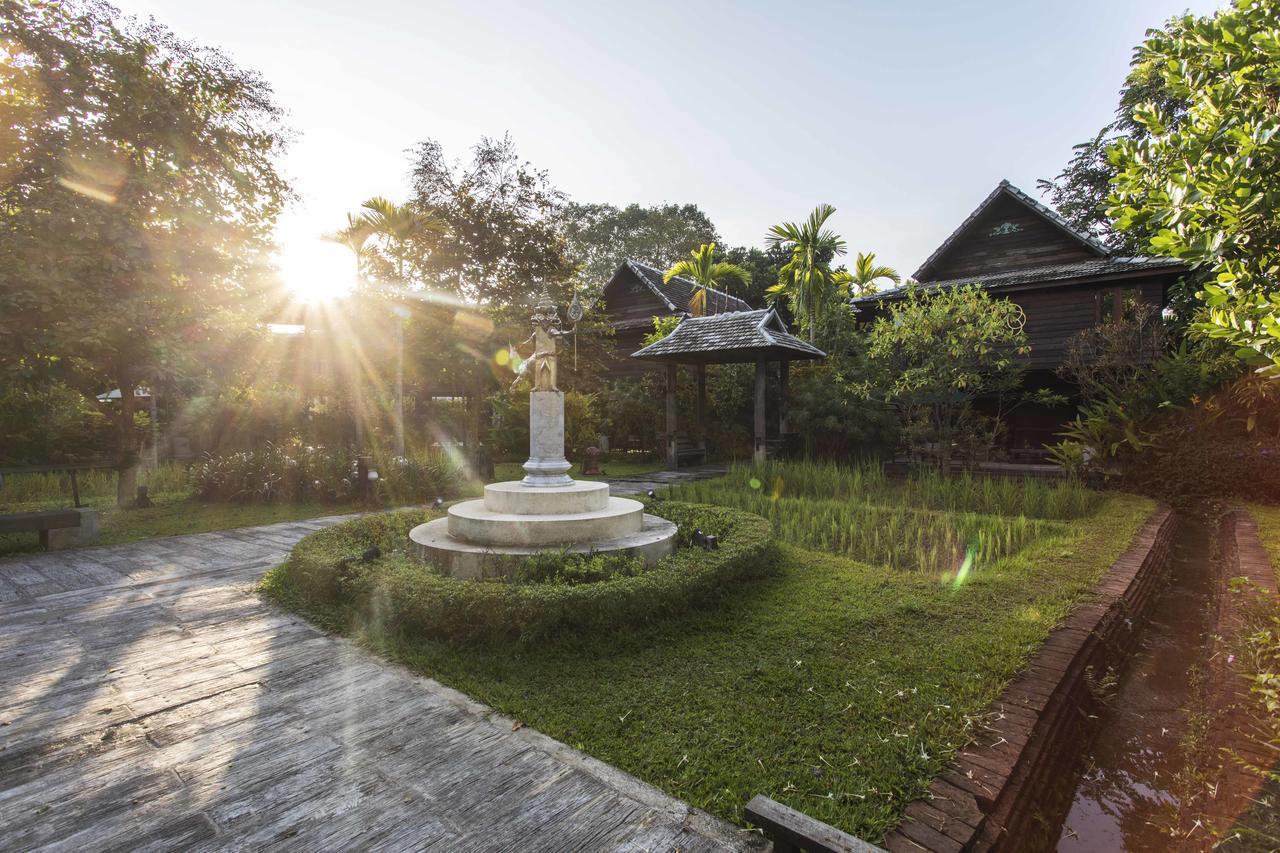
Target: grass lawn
[{"x": 836, "y": 686}]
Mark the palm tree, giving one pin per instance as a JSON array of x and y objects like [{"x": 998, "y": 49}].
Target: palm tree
[
  {"x": 862, "y": 281},
  {"x": 702, "y": 267},
  {"x": 356, "y": 238},
  {"x": 807, "y": 279},
  {"x": 399, "y": 225}
]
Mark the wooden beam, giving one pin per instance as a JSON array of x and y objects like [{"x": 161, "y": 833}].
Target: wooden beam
[
  {"x": 673, "y": 459},
  {"x": 790, "y": 830},
  {"x": 759, "y": 453},
  {"x": 702, "y": 407},
  {"x": 784, "y": 396}
]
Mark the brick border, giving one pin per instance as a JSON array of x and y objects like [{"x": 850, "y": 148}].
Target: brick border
[
  {"x": 1241, "y": 555},
  {"x": 984, "y": 799}
]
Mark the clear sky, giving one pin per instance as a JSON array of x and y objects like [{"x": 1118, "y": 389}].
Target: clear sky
[{"x": 903, "y": 114}]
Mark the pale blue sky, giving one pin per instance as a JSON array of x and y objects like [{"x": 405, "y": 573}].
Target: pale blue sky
[{"x": 904, "y": 115}]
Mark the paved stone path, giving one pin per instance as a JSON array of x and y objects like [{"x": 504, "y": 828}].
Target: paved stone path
[{"x": 149, "y": 700}]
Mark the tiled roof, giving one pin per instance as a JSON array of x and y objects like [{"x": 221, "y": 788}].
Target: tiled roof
[
  {"x": 1004, "y": 187},
  {"x": 677, "y": 292},
  {"x": 1050, "y": 273},
  {"x": 742, "y": 336}
]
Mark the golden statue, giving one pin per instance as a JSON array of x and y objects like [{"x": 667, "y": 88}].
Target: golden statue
[{"x": 540, "y": 367}]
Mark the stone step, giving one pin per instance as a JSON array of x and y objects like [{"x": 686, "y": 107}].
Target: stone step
[
  {"x": 515, "y": 498},
  {"x": 472, "y": 521}
]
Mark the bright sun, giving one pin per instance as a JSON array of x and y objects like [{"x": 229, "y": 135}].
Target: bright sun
[{"x": 317, "y": 270}]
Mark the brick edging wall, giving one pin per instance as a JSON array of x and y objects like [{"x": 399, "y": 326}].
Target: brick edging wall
[
  {"x": 984, "y": 799},
  {"x": 1241, "y": 555}
]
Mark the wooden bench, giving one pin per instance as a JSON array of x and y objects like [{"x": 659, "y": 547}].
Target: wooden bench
[
  {"x": 792, "y": 831},
  {"x": 49, "y": 523}
]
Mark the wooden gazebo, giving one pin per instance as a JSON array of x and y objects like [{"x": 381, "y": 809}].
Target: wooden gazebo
[{"x": 742, "y": 337}]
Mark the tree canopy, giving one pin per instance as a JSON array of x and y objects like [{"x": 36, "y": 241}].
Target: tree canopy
[
  {"x": 1203, "y": 183},
  {"x": 601, "y": 236},
  {"x": 138, "y": 199}
]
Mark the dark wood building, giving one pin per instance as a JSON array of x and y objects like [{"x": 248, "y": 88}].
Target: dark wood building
[
  {"x": 1063, "y": 279},
  {"x": 634, "y": 295}
]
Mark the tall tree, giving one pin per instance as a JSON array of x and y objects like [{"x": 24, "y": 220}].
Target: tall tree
[
  {"x": 702, "y": 267},
  {"x": 807, "y": 280},
  {"x": 601, "y": 236},
  {"x": 866, "y": 273},
  {"x": 400, "y": 227},
  {"x": 501, "y": 213},
  {"x": 138, "y": 199},
  {"x": 1204, "y": 184}
]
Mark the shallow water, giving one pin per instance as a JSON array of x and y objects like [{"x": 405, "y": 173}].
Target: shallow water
[{"x": 1129, "y": 792}]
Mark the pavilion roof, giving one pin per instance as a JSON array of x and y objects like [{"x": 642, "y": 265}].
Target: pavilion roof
[{"x": 730, "y": 338}]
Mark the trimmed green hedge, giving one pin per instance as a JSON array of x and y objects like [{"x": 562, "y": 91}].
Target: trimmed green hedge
[{"x": 399, "y": 594}]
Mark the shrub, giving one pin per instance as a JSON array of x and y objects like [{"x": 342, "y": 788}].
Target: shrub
[
  {"x": 399, "y": 594},
  {"x": 279, "y": 474}
]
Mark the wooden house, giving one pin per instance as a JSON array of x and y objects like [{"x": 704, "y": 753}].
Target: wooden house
[
  {"x": 634, "y": 295},
  {"x": 1063, "y": 279}
]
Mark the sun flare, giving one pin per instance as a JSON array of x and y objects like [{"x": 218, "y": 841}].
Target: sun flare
[{"x": 317, "y": 270}]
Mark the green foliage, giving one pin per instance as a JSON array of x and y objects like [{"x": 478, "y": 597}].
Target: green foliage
[
  {"x": 936, "y": 352},
  {"x": 140, "y": 195},
  {"x": 866, "y": 275},
  {"x": 1204, "y": 184},
  {"x": 404, "y": 597},
  {"x": 868, "y": 485},
  {"x": 50, "y": 424},
  {"x": 562, "y": 567},
  {"x": 703, "y": 268},
  {"x": 601, "y": 236},
  {"x": 509, "y": 432},
  {"x": 501, "y": 215},
  {"x": 297, "y": 474},
  {"x": 806, "y": 280}
]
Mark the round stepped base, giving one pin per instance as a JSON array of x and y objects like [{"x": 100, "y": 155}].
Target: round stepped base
[
  {"x": 655, "y": 539},
  {"x": 473, "y": 521},
  {"x": 517, "y": 498}
]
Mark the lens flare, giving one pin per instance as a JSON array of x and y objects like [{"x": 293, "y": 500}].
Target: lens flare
[
  {"x": 962, "y": 574},
  {"x": 755, "y": 484}
]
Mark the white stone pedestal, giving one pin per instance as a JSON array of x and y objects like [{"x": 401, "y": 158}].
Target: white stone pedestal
[{"x": 547, "y": 466}]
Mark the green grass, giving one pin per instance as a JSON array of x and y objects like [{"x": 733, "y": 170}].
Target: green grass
[
  {"x": 836, "y": 687},
  {"x": 1268, "y": 518}
]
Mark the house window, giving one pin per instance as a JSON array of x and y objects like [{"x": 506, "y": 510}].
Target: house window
[{"x": 1117, "y": 303}]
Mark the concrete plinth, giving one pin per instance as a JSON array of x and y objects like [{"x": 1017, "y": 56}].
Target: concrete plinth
[
  {"x": 73, "y": 537},
  {"x": 472, "y": 521},
  {"x": 456, "y": 558},
  {"x": 547, "y": 466},
  {"x": 517, "y": 498}
]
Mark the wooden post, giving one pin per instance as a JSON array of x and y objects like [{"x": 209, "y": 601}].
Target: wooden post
[
  {"x": 760, "y": 453},
  {"x": 673, "y": 459},
  {"x": 702, "y": 409},
  {"x": 784, "y": 396}
]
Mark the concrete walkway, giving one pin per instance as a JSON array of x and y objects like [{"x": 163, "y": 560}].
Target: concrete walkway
[{"x": 149, "y": 700}]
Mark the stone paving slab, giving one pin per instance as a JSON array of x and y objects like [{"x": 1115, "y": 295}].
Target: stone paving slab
[{"x": 150, "y": 701}]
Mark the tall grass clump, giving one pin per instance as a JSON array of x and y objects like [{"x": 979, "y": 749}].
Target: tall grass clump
[
  {"x": 867, "y": 484},
  {"x": 54, "y": 487}
]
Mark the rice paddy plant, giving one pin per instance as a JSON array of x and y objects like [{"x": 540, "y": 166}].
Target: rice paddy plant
[
  {"x": 867, "y": 484},
  {"x": 904, "y": 538}
]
